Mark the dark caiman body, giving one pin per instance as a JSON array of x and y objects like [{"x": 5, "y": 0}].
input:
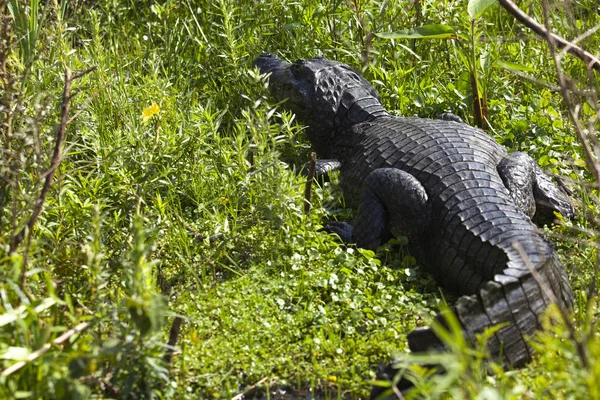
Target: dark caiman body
[{"x": 465, "y": 204}]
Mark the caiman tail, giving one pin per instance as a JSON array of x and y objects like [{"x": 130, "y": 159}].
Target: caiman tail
[{"x": 514, "y": 301}]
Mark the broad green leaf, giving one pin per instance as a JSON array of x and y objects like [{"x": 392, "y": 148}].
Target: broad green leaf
[
  {"x": 516, "y": 67},
  {"x": 434, "y": 31},
  {"x": 588, "y": 109},
  {"x": 478, "y": 7},
  {"x": 463, "y": 83}
]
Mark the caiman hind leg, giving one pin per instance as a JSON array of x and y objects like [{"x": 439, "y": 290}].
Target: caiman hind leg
[
  {"x": 516, "y": 171},
  {"x": 393, "y": 203},
  {"x": 532, "y": 191},
  {"x": 549, "y": 198}
]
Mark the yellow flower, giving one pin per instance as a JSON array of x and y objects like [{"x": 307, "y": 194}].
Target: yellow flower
[{"x": 150, "y": 111}]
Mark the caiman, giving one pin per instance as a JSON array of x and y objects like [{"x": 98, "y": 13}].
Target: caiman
[{"x": 465, "y": 203}]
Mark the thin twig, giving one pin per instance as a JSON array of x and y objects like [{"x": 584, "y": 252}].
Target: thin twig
[
  {"x": 505, "y": 39},
  {"x": 36, "y": 354},
  {"x": 83, "y": 73},
  {"x": 309, "y": 181},
  {"x": 581, "y": 37},
  {"x": 55, "y": 162},
  {"x": 532, "y": 24},
  {"x": 252, "y": 387},
  {"x": 197, "y": 235},
  {"x": 87, "y": 103},
  {"x": 397, "y": 392},
  {"x": 550, "y": 86},
  {"x": 60, "y": 139}
]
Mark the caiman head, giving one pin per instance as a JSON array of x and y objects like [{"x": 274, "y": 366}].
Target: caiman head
[{"x": 327, "y": 96}]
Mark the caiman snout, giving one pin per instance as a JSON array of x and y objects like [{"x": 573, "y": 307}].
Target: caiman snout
[{"x": 267, "y": 62}]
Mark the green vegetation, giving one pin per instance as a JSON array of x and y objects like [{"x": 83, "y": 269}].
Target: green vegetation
[{"x": 191, "y": 208}]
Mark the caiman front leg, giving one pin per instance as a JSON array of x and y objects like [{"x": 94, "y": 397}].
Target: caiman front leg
[
  {"x": 532, "y": 191},
  {"x": 322, "y": 169},
  {"x": 393, "y": 202}
]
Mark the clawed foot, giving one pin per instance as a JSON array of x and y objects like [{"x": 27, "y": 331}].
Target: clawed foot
[
  {"x": 424, "y": 339},
  {"x": 397, "y": 374},
  {"x": 420, "y": 341},
  {"x": 389, "y": 373},
  {"x": 341, "y": 228},
  {"x": 323, "y": 168}
]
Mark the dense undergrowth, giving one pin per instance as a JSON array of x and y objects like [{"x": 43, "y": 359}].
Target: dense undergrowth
[{"x": 190, "y": 209}]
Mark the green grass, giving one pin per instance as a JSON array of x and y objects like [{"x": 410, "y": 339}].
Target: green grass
[{"x": 197, "y": 212}]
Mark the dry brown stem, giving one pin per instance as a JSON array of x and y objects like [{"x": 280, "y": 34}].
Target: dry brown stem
[
  {"x": 309, "y": 181},
  {"x": 173, "y": 338},
  {"x": 55, "y": 162},
  {"x": 252, "y": 387}
]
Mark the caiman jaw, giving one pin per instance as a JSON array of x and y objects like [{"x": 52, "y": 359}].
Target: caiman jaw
[
  {"x": 266, "y": 62},
  {"x": 270, "y": 63},
  {"x": 282, "y": 83}
]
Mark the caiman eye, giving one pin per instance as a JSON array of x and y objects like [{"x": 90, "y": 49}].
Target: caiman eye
[{"x": 297, "y": 66}]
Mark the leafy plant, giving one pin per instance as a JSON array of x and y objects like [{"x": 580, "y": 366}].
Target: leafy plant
[{"x": 172, "y": 257}]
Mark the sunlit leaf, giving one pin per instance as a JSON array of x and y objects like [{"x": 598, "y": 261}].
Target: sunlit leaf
[
  {"x": 21, "y": 311},
  {"x": 15, "y": 353},
  {"x": 478, "y": 7},
  {"x": 484, "y": 60},
  {"x": 434, "y": 31},
  {"x": 513, "y": 66}
]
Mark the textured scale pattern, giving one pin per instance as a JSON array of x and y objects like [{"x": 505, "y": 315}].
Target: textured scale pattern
[{"x": 465, "y": 204}]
